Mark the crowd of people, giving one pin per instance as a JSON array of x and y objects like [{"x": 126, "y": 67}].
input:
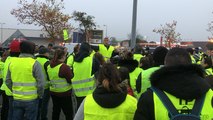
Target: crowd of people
[{"x": 101, "y": 82}]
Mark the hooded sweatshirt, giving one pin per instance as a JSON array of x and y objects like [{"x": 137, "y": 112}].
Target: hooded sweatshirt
[{"x": 184, "y": 82}]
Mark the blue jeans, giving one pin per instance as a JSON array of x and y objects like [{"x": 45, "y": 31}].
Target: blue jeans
[{"x": 25, "y": 110}]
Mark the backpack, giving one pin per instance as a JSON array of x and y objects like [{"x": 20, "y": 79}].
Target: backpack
[{"x": 174, "y": 114}]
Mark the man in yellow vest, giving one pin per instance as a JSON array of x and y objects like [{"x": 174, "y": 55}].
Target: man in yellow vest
[
  {"x": 26, "y": 81},
  {"x": 105, "y": 49},
  {"x": 183, "y": 83},
  {"x": 6, "y": 111},
  {"x": 43, "y": 59}
]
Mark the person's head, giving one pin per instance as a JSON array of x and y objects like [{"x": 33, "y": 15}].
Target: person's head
[
  {"x": 206, "y": 61},
  {"x": 43, "y": 51},
  {"x": 145, "y": 62},
  {"x": 59, "y": 55},
  {"x": 124, "y": 74},
  {"x": 138, "y": 49},
  {"x": 85, "y": 47},
  {"x": 190, "y": 51},
  {"x": 14, "y": 48},
  {"x": 177, "y": 56},
  {"x": 106, "y": 41},
  {"x": 159, "y": 55},
  {"x": 109, "y": 77},
  {"x": 27, "y": 47},
  {"x": 76, "y": 49},
  {"x": 128, "y": 55},
  {"x": 99, "y": 57},
  {"x": 50, "y": 46}
]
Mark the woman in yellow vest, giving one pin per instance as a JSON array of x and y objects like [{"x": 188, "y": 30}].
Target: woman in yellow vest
[
  {"x": 60, "y": 76},
  {"x": 84, "y": 67},
  {"x": 182, "y": 82},
  {"x": 108, "y": 101}
]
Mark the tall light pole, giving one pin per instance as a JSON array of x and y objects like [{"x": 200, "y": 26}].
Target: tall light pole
[
  {"x": 106, "y": 30},
  {"x": 1, "y": 32},
  {"x": 134, "y": 20}
]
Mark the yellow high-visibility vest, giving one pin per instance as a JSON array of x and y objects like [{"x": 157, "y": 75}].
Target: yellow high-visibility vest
[
  {"x": 57, "y": 84},
  {"x": 125, "y": 111},
  {"x": 83, "y": 82},
  {"x": 161, "y": 112},
  {"x": 24, "y": 85}
]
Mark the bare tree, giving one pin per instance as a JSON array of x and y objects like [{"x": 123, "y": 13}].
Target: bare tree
[
  {"x": 46, "y": 14},
  {"x": 168, "y": 32},
  {"x": 86, "y": 22}
]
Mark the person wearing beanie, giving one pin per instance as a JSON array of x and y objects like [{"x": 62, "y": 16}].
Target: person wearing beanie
[
  {"x": 84, "y": 61},
  {"x": 158, "y": 59},
  {"x": 14, "y": 51},
  {"x": 43, "y": 59},
  {"x": 26, "y": 80},
  {"x": 183, "y": 84}
]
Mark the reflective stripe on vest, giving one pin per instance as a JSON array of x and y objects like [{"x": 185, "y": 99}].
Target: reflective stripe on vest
[
  {"x": 183, "y": 106},
  {"x": 209, "y": 71},
  {"x": 124, "y": 111},
  {"x": 23, "y": 82},
  {"x": 133, "y": 77},
  {"x": 57, "y": 84},
  {"x": 107, "y": 53},
  {"x": 83, "y": 82}
]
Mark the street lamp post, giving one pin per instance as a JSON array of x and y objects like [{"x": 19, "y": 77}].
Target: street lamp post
[
  {"x": 106, "y": 30},
  {"x": 2, "y": 32}
]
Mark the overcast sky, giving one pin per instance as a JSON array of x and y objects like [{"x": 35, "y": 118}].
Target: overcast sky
[{"x": 192, "y": 16}]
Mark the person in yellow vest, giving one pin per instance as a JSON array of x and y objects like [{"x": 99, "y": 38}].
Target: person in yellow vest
[
  {"x": 138, "y": 53},
  {"x": 134, "y": 70},
  {"x": 109, "y": 100},
  {"x": 206, "y": 63},
  {"x": 191, "y": 53},
  {"x": 6, "y": 111},
  {"x": 43, "y": 59},
  {"x": 84, "y": 68},
  {"x": 158, "y": 61},
  {"x": 105, "y": 49},
  {"x": 26, "y": 81},
  {"x": 182, "y": 82},
  {"x": 60, "y": 76},
  {"x": 70, "y": 58}
]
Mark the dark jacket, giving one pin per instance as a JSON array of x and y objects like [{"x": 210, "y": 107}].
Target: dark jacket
[{"x": 185, "y": 82}]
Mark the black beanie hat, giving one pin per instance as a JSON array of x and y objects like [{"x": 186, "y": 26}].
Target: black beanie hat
[{"x": 27, "y": 47}]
